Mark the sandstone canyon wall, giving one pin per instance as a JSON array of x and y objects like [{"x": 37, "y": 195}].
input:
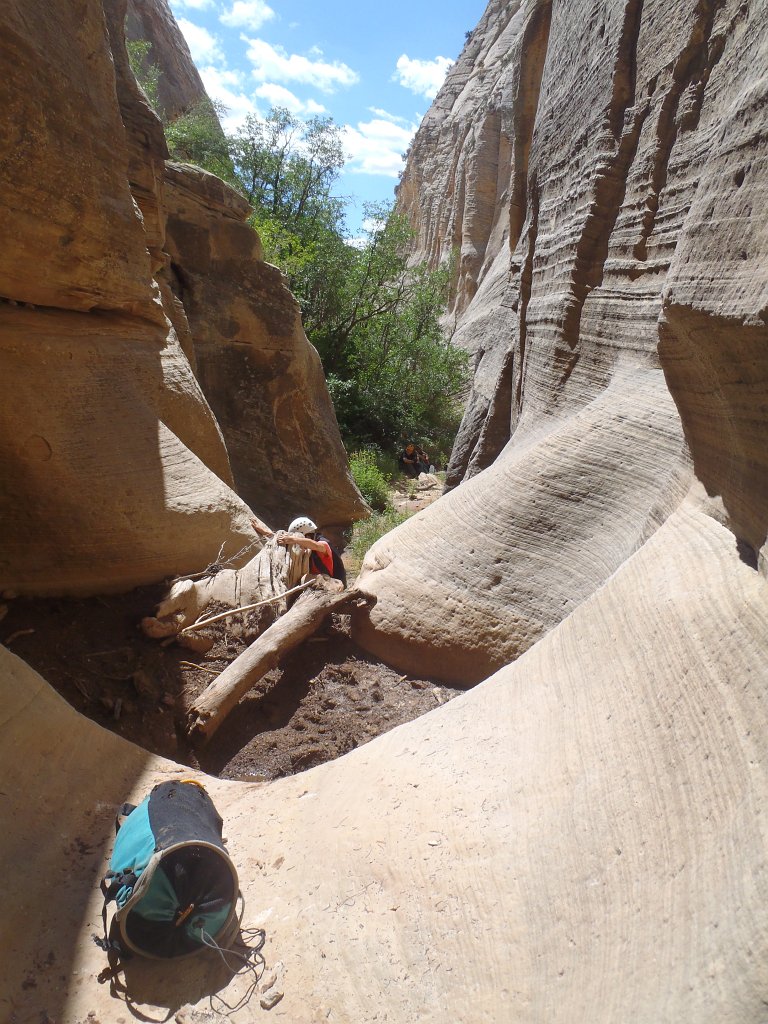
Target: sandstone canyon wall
[
  {"x": 115, "y": 471},
  {"x": 264, "y": 381},
  {"x": 581, "y": 839},
  {"x": 600, "y": 171},
  {"x": 179, "y": 86}
]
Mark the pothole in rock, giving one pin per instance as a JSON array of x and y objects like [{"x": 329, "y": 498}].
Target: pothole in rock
[{"x": 326, "y": 698}]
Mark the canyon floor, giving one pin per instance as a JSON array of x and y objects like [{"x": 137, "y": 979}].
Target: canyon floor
[{"x": 326, "y": 698}]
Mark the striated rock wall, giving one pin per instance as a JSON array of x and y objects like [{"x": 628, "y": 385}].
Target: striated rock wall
[
  {"x": 600, "y": 169},
  {"x": 114, "y": 469},
  {"x": 582, "y": 838},
  {"x": 263, "y": 379},
  {"x": 179, "y": 87}
]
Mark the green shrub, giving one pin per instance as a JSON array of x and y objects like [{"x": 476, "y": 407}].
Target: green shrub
[
  {"x": 367, "y": 531},
  {"x": 370, "y": 480},
  {"x": 146, "y": 73}
]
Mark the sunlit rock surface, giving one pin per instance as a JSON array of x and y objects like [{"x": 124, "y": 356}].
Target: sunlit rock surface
[
  {"x": 114, "y": 468},
  {"x": 263, "y": 379},
  {"x": 179, "y": 86},
  {"x": 579, "y": 839},
  {"x": 600, "y": 169}
]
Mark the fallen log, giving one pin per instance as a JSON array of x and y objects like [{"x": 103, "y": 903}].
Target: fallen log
[{"x": 302, "y": 620}]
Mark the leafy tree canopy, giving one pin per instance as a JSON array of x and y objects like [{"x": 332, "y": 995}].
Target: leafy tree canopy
[{"x": 376, "y": 320}]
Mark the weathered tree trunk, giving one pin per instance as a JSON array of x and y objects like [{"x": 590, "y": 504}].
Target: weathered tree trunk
[
  {"x": 302, "y": 620},
  {"x": 271, "y": 573}
]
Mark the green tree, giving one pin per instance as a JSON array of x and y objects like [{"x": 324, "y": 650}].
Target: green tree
[
  {"x": 391, "y": 368},
  {"x": 287, "y": 168},
  {"x": 197, "y": 138},
  {"x": 145, "y": 71},
  {"x": 375, "y": 320}
]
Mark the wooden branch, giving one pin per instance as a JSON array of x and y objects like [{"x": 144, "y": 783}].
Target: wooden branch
[
  {"x": 246, "y": 607},
  {"x": 302, "y": 620}
]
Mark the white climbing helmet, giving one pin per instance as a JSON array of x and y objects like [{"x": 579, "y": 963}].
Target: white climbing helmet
[{"x": 302, "y": 525}]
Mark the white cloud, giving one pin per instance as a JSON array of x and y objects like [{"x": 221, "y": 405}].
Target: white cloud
[
  {"x": 273, "y": 63},
  {"x": 250, "y": 14},
  {"x": 376, "y": 146},
  {"x": 204, "y": 47},
  {"x": 394, "y": 118},
  {"x": 371, "y": 224},
  {"x": 197, "y": 5},
  {"x": 227, "y": 88},
  {"x": 279, "y": 96},
  {"x": 423, "y": 77}
]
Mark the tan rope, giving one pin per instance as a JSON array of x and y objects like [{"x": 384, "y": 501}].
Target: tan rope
[{"x": 247, "y": 607}]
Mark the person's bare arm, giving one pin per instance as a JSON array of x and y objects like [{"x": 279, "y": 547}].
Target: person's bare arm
[
  {"x": 288, "y": 539},
  {"x": 262, "y": 531}
]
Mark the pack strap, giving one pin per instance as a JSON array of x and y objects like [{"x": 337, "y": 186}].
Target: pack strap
[
  {"x": 123, "y": 812},
  {"x": 114, "y": 881},
  {"x": 110, "y": 885}
]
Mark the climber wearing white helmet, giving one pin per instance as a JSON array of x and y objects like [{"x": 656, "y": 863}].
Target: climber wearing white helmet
[{"x": 303, "y": 533}]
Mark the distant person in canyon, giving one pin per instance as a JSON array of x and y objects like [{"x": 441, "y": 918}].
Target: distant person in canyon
[
  {"x": 413, "y": 460},
  {"x": 324, "y": 559}
]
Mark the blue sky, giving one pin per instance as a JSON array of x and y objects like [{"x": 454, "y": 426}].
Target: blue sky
[{"x": 373, "y": 67}]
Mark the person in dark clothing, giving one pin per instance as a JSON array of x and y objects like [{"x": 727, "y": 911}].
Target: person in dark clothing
[{"x": 413, "y": 460}]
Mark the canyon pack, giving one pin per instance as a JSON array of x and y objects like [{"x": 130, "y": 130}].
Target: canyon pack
[{"x": 172, "y": 881}]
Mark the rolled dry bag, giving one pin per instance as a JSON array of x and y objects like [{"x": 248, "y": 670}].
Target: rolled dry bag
[{"x": 173, "y": 884}]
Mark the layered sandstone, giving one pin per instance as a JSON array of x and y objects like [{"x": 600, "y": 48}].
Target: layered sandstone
[
  {"x": 582, "y": 837},
  {"x": 115, "y": 471},
  {"x": 600, "y": 170},
  {"x": 109, "y": 451},
  {"x": 179, "y": 86},
  {"x": 579, "y": 839},
  {"x": 262, "y": 378}
]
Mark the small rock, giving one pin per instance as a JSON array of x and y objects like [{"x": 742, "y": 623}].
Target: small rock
[
  {"x": 142, "y": 684},
  {"x": 196, "y": 642},
  {"x": 271, "y": 998},
  {"x": 272, "y": 986}
]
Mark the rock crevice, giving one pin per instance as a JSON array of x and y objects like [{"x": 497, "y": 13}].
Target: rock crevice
[{"x": 623, "y": 258}]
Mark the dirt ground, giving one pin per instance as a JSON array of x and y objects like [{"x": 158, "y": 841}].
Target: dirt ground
[
  {"x": 326, "y": 698},
  {"x": 413, "y": 495}
]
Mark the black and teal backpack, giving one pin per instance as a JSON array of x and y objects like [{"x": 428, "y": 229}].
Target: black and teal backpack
[{"x": 174, "y": 887}]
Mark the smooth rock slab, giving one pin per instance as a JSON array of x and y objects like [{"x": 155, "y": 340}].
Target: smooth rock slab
[{"x": 579, "y": 839}]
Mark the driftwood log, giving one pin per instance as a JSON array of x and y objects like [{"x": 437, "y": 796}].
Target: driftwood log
[
  {"x": 273, "y": 571},
  {"x": 301, "y": 620}
]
